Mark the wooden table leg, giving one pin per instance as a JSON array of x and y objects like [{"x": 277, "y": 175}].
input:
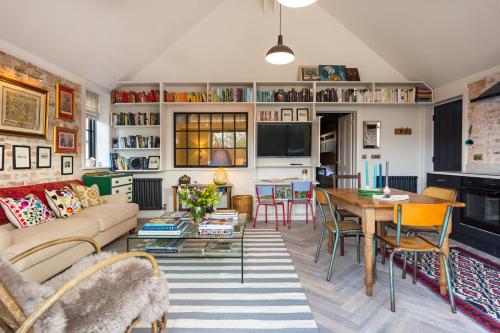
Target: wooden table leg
[
  {"x": 368, "y": 230},
  {"x": 329, "y": 243},
  {"x": 446, "y": 249}
]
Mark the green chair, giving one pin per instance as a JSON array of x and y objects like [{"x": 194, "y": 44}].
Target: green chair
[
  {"x": 418, "y": 215},
  {"x": 340, "y": 229}
]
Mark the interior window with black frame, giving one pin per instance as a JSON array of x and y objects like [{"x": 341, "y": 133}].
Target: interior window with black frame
[
  {"x": 198, "y": 135},
  {"x": 90, "y": 137}
]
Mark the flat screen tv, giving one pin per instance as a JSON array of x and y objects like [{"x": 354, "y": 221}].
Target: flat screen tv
[{"x": 283, "y": 140}]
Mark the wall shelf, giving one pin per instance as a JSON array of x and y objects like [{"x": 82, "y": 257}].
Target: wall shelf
[
  {"x": 135, "y": 126},
  {"x": 136, "y": 148},
  {"x": 136, "y": 104}
]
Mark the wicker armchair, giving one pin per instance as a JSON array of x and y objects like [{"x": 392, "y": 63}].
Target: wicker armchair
[{"x": 14, "y": 319}]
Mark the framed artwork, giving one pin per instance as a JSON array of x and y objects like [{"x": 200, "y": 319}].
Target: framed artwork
[
  {"x": 287, "y": 115},
  {"x": 310, "y": 73},
  {"x": 302, "y": 114},
  {"x": 371, "y": 134},
  {"x": 66, "y": 165},
  {"x": 23, "y": 109},
  {"x": 21, "y": 157},
  {"x": 65, "y": 102},
  {"x": 65, "y": 140},
  {"x": 352, "y": 74},
  {"x": 332, "y": 72},
  {"x": 43, "y": 157},
  {"x": 2, "y": 157},
  {"x": 154, "y": 162}
]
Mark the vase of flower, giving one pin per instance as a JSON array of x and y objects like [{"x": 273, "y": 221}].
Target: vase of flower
[{"x": 198, "y": 199}]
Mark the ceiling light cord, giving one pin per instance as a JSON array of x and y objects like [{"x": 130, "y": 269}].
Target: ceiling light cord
[{"x": 280, "y": 19}]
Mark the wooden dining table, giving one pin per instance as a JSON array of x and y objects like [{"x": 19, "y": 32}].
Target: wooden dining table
[{"x": 373, "y": 211}]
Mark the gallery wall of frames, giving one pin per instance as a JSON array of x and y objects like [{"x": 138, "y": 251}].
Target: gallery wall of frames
[{"x": 39, "y": 125}]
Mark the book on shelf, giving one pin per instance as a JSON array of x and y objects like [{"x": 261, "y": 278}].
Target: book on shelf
[
  {"x": 394, "y": 95},
  {"x": 184, "y": 97},
  {"x": 344, "y": 95},
  {"x": 119, "y": 162},
  {"x": 164, "y": 224},
  {"x": 135, "y": 118},
  {"x": 282, "y": 95},
  {"x": 164, "y": 245},
  {"x": 136, "y": 141},
  {"x": 225, "y": 95},
  {"x": 423, "y": 95},
  {"x": 182, "y": 228},
  {"x": 218, "y": 247},
  {"x": 122, "y": 96}
]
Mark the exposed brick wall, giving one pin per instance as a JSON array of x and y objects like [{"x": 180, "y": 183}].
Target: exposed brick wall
[{"x": 23, "y": 71}]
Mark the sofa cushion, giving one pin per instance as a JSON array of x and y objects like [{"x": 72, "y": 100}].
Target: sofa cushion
[
  {"x": 5, "y": 236},
  {"x": 37, "y": 189},
  {"x": 26, "y": 212},
  {"x": 63, "y": 201},
  {"x": 89, "y": 196},
  {"x": 109, "y": 215},
  {"x": 25, "y": 239}
]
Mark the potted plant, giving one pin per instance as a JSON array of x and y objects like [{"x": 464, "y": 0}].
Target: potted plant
[{"x": 198, "y": 199}]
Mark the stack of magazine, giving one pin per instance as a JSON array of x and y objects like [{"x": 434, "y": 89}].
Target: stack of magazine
[
  {"x": 170, "y": 224},
  {"x": 164, "y": 245},
  {"x": 221, "y": 222}
]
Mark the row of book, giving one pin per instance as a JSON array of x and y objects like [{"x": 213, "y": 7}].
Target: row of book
[
  {"x": 394, "y": 95},
  {"x": 119, "y": 162},
  {"x": 135, "y": 118},
  {"x": 423, "y": 95},
  {"x": 136, "y": 141},
  {"x": 185, "y": 97},
  {"x": 231, "y": 95},
  {"x": 282, "y": 95},
  {"x": 344, "y": 95},
  {"x": 122, "y": 96}
]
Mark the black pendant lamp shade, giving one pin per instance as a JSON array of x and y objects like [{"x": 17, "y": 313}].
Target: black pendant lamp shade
[{"x": 280, "y": 54}]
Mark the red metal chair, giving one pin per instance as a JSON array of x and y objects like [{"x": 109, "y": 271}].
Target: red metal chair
[
  {"x": 265, "y": 197},
  {"x": 301, "y": 195}
]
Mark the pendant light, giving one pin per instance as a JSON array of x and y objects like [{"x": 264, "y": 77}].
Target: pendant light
[
  {"x": 296, "y": 3},
  {"x": 280, "y": 54}
]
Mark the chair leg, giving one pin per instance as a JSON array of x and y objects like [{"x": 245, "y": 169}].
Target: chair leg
[
  {"x": 276, "y": 217},
  {"x": 374, "y": 258},
  {"x": 312, "y": 215},
  {"x": 449, "y": 282},
  {"x": 342, "y": 246},
  {"x": 391, "y": 281},
  {"x": 404, "y": 264},
  {"x": 283, "y": 211},
  {"x": 330, "y": 266},
  {"x": 256, "y": 214},
  {"x": 383, "y": 248},
  {"x": 358, "y": 252},
  {"x": 415, "y": 260},
  {"x": 290, "y": 207},
  {"x": 320, "y": 243},
  {"x": 154, "y": 327},
  {"x": 307, "y": 213},
  {"x": 266, "y": 213}
]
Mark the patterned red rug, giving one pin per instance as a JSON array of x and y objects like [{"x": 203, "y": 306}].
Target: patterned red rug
[{"x": 476, "y": 283}]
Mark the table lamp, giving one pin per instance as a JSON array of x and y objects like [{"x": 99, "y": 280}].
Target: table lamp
[{"x": 220, "y": 159}]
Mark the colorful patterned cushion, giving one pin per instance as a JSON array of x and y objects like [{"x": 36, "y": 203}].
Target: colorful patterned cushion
[
  {"x": 89, "y": 196},
  {"x": 26, "y": 212},
  {"x": 63, "y": 202}
]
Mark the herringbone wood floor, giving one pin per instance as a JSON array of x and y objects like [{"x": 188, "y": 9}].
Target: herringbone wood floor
[{"x": 341, "y": 305}]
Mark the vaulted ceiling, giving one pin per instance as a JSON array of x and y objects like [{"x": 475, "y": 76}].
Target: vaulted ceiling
[{"x": 106, "y": 40}]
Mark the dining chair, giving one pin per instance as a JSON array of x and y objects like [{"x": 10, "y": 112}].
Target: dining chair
[
  {"x": 411, "y": 215},
  {"x": 342, "y": 213},
  {"x": 433, "y": 192},
  {"x": 301, "y": 195},
  {"x": 266, "y": 198},
  {"x": 340, "y": 229}
]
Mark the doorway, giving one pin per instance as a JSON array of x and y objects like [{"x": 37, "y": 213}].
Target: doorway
[{"x": 337, "y": 147}]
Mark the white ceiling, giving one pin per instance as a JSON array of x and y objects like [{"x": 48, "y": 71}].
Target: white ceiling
[{"x": 105, "y": 40}]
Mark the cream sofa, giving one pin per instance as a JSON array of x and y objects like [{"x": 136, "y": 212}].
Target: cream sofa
[{"x": 102, "y": 223}]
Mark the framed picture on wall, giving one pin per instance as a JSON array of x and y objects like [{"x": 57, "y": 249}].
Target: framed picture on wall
[
  {"x": 2, "y": 157},
  {"x": 65, "y": 102},
  {"x": 43, "y": 157},
  {"x": 21, "y": 157},
  {"x": 66, "y": 165},
  {"x": 23, "y": 109},
  {"x": 154, "y": 162},
  {"x": 65, "y": 140},
  {"x": 302, "y": 114},
  {"x": 287, "y": 115}
]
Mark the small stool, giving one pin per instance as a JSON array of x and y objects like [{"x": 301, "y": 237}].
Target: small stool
[{"x": 243, "y": 204}]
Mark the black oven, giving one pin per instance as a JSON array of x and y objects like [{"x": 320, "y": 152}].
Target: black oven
[{"x": 482, "y": 199}]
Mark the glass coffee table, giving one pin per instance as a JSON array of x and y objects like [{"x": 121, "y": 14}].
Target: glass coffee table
[{"x": 196, "y": 245}]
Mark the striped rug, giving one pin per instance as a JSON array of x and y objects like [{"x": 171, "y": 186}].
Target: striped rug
[{"x": 206, "y": 295}]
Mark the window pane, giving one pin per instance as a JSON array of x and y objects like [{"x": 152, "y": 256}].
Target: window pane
[
  {"x": 181, "y": 156},
  {"x": 241, "y": 157},
  {"x": 193, "y": 122},
  {"x": 217, "y": 140},
  {"x": 204, "y": 157},
  {"x": 241, "y": 139},
  {"x": 181, "y": 140},
  {"x": 193, "y": 140},
  {"x": 217, "y": 121},
  {"x": 180, "y": 122},
  {"x": 228, "y": 122},
  {"x": 231, "y": 155},
  {"x": 228, "y": 140},
  {"x": 241, "y": 122},
  {"x": 193, "y": 157},
  {"x": 204, "y": 122},
  {"x": 205, "y": 140}
]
